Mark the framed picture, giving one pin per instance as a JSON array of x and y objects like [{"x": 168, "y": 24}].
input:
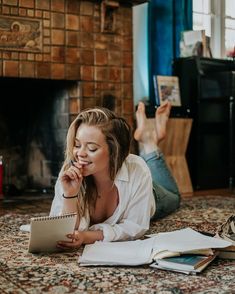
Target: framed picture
[
  {"x": 195, "y": 43},
  {"x": 167, "y": 88},
  {"x": 108, "y": 16}
]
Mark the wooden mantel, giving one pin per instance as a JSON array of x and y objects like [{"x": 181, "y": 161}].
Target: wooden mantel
[
  {"x": 135, "y": 2},
  {"x": 128, "y": 2}
]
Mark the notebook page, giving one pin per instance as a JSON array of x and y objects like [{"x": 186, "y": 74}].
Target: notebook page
[{"x": 46, "y": 231}]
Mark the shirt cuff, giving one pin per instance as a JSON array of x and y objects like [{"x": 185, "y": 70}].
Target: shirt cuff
[{"x": 108, "y": 231}]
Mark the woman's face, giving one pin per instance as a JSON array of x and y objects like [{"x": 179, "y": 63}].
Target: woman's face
[{"x": 91, "y": 151}]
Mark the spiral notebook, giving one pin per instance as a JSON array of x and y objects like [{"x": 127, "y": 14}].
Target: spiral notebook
[{"x": 46, "y": 231}]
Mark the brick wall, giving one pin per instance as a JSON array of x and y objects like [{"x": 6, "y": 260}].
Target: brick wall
[{"x": 70, "y": 46}]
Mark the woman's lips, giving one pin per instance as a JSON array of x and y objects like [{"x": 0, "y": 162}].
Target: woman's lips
[{"x": 84, "y": 163}]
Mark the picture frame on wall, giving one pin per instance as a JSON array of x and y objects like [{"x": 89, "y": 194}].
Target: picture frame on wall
[
  {"x": 108, "y": 16},
  {"x": 167, "y": 88}
]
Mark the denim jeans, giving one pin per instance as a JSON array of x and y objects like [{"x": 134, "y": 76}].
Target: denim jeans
[{"x": 165, "y": 190}]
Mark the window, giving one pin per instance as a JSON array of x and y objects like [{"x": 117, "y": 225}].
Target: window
[
  {"x": 217, "y": 18},
  {"x": 202, "y": 16},
  {"x": 140, "y": 53}
]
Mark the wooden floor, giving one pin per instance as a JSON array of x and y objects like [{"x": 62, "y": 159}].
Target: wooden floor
[{"x": 225, "y": 192}]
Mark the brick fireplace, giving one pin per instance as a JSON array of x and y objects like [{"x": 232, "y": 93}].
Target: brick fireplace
[
  {"x": 56, "y": 58},
  {"x": 34, "y": 118}
]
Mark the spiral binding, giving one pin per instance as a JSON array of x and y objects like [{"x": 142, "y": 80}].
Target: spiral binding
[{"x": 43, "y": 218}]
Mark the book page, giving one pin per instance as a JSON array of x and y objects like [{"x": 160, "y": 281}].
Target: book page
[
  {"x": 166, "y": 253},
  {"x": 142, "y": 251},
  {"x": 186, "y": 240},
  {"x": 117, "y": 253}
]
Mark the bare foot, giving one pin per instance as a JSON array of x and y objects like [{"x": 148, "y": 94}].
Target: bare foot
[
  {"x": 161, "y": 117},
  {"x": 144, "y": 132},
  {"x": 148, "y": 134}
]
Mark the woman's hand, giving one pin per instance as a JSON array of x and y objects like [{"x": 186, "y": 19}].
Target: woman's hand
[
  {"x": 76, "y": 240},
  {"x": 79, "y": 238},
  {"x": 71, "y": 179}
]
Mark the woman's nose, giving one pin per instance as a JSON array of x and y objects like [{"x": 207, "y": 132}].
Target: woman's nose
[{"x": 81, "y": 152}]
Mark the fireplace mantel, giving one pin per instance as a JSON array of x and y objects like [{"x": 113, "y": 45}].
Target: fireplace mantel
[
  {"x": 123, "y": 2},
  {"x": 134, "y": 2}
]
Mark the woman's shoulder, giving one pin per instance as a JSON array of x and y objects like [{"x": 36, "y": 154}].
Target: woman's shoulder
[
  {"x": 133, "y": 167},
  {"x": 134, "y": 158},
  {"x": 136, "y": 161}
]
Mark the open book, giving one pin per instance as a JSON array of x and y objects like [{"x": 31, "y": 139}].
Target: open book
[
  {"x": 150, "y": 250},
  {"x": 46, "y": 231}
]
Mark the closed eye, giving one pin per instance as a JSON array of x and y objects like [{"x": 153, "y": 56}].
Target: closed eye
[
  {"x": 92, "y": 147},
  {"x": 92, "y": 150}
]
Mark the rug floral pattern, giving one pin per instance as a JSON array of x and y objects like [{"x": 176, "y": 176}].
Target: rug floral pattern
[{"x": 22, "y": 272}]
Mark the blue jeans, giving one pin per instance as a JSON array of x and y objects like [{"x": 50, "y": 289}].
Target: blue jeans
[{"x": 165, "y": 190}]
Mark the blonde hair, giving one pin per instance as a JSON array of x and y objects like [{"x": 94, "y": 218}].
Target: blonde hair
[{"x": 117, "y": 133}]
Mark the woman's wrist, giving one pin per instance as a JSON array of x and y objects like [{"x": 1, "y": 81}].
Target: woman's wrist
[
  {"x": 70, "y": 197},
  {"x": 90, "y": 237}
]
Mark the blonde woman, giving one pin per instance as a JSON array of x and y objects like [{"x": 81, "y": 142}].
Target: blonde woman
[{"x": 115, "y": 193}]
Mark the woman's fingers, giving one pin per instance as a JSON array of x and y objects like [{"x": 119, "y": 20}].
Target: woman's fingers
[
  {"x": 69, "y": 244},
  {"x": 73, "y": 173},
  {"x": 76, "y": 171},
  {"x": 71, "y": 180},
  {"x": 74, "y": 243}
]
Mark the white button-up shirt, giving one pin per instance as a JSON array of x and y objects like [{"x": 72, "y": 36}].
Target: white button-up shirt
[{"x": 136, "y": 205}]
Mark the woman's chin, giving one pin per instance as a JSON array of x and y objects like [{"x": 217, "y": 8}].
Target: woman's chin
[{"x": 86, "y": 173}]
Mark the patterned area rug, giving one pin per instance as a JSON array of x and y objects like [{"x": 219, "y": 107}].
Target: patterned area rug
[{"x": 21, "y": 272}]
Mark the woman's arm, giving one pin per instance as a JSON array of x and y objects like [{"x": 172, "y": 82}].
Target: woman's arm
[
  {"x": 69, "y": 205},
  {"x": 66, "y": 190}
]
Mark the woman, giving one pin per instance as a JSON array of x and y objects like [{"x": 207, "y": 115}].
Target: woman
[{"x": 114, "y": 193}]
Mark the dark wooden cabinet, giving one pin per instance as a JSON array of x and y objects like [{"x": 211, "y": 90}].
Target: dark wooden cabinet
[{"x": 207, "y": 89}]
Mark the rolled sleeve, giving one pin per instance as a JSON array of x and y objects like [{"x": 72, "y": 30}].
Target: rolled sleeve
[
  {"x": 57, "y": 203},
  {"x": 122, "y": 231},
  {"x": 108, "y": 231}
]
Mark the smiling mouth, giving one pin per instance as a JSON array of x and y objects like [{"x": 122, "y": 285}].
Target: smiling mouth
[{"x": 84, "y": 163}]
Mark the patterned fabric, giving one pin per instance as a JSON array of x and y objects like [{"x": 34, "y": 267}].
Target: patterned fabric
[
  {"x": 22, "y": 272},
  {"x": 227, "y": 230}
]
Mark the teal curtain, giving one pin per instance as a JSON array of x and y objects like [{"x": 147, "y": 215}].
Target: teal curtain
[{"x": 167, "y": 19}]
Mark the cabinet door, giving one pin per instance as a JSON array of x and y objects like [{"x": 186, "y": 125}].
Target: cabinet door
[{"x": 212, "y": 145}]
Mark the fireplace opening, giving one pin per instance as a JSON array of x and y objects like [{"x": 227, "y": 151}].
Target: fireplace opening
[{"x": 34, "y": 118}]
